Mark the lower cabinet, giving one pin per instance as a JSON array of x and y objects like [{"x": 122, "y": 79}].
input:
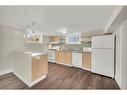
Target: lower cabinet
[
  {"x": 57, "y": 56},
  {"x": 68, "y": 58},
  {"x": 39, "y": 66},
  {"x": 80, "y": 60},
  {"x": 77, "y": 60},
  {"x": 64, "y": 57},
  {"x": 87, "y": 60}
]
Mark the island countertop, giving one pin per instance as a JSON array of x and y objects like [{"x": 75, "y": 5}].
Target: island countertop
[{"x": 36, "y": 53}]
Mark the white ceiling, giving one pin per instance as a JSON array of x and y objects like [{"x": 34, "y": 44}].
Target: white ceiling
[{"x": 52, "y": 19}]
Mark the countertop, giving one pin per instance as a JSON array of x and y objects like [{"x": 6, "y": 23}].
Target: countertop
[
  {"x": 75, "y": 51},
  {"x": 72, "y": 51},
  {"x": 36, "y": 53}
]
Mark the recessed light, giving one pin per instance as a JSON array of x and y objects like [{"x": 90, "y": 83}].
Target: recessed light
[{"x": 64, "y": 32}]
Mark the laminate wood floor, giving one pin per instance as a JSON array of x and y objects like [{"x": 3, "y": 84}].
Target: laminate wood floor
[{"x": 62, "y": 77}]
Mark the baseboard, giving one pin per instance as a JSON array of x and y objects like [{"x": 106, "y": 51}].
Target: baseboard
[
  {"x": 86, "y": 69},
  {"x": 21, "y": 78},
  {"x": 118, "y": 83},
  {"x": 102, "y": 74},
  {"x": 38, "y": 80},
  {"x": 30, "y": 84},
  {"x": 64, "y": 64},
  {"x": 77, "y": 66},
  {"x": 5, "y": 72},
  {"x": 51, "y": 61}
]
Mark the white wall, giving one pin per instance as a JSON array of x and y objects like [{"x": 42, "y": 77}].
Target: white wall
[
  {"x": 121, "y": 55},
  {"x": 33, "y": 47},
  {"x": 10, "y": 39},
  {"x": 118, "y": 64},
  {"x": 124, "y": 36}
]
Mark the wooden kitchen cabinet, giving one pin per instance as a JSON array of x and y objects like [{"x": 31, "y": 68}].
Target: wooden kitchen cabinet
[
  {"x": 55, "y": 38},
  {"x": 35, "y": 68},
  {"x": 68, "y": 58},
  {"x": 60, "y": 57},
  {"x": 87, "y": 60},
  {"x": 45, "y": 65},
  {"x": 39, "y": 66},
  {"x": 57, "y": 56},
  {"x": 63, "y": 57}
]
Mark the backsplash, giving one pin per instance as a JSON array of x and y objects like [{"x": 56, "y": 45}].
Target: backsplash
[{"x": 77, "y": 46}]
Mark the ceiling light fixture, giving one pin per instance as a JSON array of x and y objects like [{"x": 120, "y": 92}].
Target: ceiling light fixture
[{"x": 64, "y": 32}]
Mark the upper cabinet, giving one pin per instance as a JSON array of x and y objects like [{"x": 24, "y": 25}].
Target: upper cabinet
[
  {"x": 55, "y": 38},
  {"x": 73, "y": 39}
]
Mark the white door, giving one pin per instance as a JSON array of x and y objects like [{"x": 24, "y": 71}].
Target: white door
[{"x": 103, "y": 62}]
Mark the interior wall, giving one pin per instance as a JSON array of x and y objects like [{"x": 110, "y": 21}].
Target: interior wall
[
  {"x": 118, "y": 63},
  {"x": 10, "y": 39},
  {"x": 77, "y": 46},
  {"x": 29, "y": 47},
  {"x": 124, "y": 36},
  {"x": 121, "y": 56}
]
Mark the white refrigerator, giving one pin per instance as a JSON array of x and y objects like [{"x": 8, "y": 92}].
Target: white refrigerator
[{"x": 103, "y": 55}]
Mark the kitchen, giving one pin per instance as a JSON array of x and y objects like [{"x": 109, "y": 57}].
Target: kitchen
[
  {"x": 70, "y": 53},
  {"x": 47, "y": 49}
]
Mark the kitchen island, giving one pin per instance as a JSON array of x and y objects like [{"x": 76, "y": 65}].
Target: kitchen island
[{"x": 30, "y": 67}]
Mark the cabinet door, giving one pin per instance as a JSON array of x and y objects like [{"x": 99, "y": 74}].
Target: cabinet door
[
  {"x": 35, "y": 68},
  {"x": 55, "y": 38},
  {"x": 60, "y": 56},
  {"x": 68, "y": 58},
  {"x": 40, "y": 66},
  {"x": 87, "y": 60},
  {"x": 45, "y": 65},
  {"x": 57, "y": 56},
  {"x": 63, "y": 57},
  {"x": 77, "y": 59}
]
